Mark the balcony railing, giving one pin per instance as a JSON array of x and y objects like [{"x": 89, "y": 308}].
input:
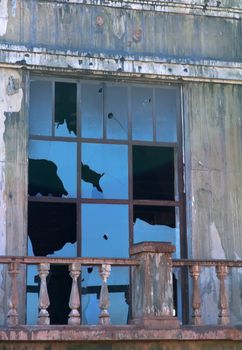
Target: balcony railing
[{"x": 151, "y": 286}]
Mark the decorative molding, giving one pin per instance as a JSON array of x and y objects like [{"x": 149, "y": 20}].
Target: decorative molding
[{"x": 143, "y": 67}]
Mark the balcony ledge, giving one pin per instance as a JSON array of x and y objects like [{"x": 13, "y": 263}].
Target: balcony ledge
[{"x": 117, "y": 333}]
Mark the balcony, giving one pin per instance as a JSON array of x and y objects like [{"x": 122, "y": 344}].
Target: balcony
[{"x": 152, "y": 316}]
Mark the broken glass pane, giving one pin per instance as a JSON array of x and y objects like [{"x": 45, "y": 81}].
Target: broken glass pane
[
  {"x": 154, "y": 223},
  {"x": 153, "y": 173},
  {"x": 65, "y": 109},
  {"x": 52, "y": 228},
  {"x": 116, "y": 112},
  {"x": 104, "y": 171},
  {"x": 142, "y": 121},
  {"x": 52, "y": 168},
  {"x": 166, "y": 114},
  {"x": 40, "y": 108},
  {"x": 105, "y": 230},
  {"x": 92, "y": 110}
]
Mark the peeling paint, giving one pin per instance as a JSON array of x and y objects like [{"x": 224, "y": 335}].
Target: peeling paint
[
  {"x": 3, "y": 16},
  {"x": 9, "y": 103}
]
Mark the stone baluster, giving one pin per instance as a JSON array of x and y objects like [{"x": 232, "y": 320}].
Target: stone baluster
[
  {"x": 74, "y": 303},
  {"x": 12, "y": 317},
  {"x": 104, "y": 318},
  {"x": 196, "y": 297},
  {"x": 223, "y": 316},
  {"x": 152, "y": 287},
  {"x": 44, "y": 300}
]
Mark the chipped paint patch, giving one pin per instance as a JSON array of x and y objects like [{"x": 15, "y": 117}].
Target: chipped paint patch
[
  {"x": 209, "y": 280},
  {"x": 217, "y": 251},
  {"x": 3, "y": 16}
]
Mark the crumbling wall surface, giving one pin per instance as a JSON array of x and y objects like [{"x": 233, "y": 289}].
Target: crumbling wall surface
[
  {"x": 214, "y": 173},
  {"x": 13, "y": 175},
  {"x": 186, "y": 29}
]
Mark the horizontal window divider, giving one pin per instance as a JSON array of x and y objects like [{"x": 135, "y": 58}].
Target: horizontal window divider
[
  {"x": 155, "y": 143},
  {"x": 103, "y": 141},
  {"x": 159, "y": 203},
  {"x": 103, "y": 201},
  {"x": 51, "y": 199},
  {"x": 53, "y": 138}
]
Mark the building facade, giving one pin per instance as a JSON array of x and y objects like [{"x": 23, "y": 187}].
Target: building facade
[{"x": 120, "y": 123}]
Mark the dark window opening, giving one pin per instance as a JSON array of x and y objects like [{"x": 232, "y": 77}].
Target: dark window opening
[
  {"x": 51, "y": 226},
  {"x": 43, "y": 179},
  {"x": 153, "y": 173},
  {"x": 65, "y": 105},
  {"x": 155, "y": 215}
]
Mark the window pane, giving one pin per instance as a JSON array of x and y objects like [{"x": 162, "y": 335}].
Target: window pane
[
  {"x": 65, "y": 109},
  {"x": 159, "y": 224},
  {"x": 92, "y": 110},
  {"x": 105, "y": 230},
  {"x": 166, "y": 114},
  {"x": 40, "y": 108},
  {"x": 52, "y": 168},
  {"x": 104, "y": 171},
  {"x": 153, "y": 173},
  {"x": 118, "y": 286},
  {"x": 116, "y": 112},
  {"x": 142, "y": 123},
  {"x": 52, "y": 228}
]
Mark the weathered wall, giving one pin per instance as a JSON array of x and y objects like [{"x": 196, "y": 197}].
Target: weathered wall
[
  {"x": 13, "y": 170},
  {"x": 121, "y": 30},
  {"x": 214, "y": 173},
  {"x": 212, "y": 111}
]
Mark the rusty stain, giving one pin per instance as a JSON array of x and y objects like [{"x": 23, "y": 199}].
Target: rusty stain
[
  {"x": 137, "y": 34},
  {"x": 100, "y": 21}
]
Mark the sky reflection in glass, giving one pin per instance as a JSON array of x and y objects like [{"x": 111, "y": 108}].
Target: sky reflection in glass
[
  {"x": 105, "y": 230},
  {"x": 40, "y": 108},
  {"x": 142, "y": 122},
  {"x": 111, "y": 163}
]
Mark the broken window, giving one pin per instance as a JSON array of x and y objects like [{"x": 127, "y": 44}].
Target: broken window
[
  {"x": 103, "y": 174},
  {"x": 65, "y": 109}
]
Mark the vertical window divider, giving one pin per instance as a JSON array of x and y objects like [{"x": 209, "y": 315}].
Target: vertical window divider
[
  {"x": 53, "y": 110},
  {"x": 104, "y": 110},
  {"x": 130, "y": 167},
  {"x": 154, "y": 113},
  {"x": 78, "y": 160}
]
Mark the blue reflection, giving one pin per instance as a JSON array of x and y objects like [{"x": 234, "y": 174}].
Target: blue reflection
[
  {"x": 105, "y": 230},
  {"x": 166, "y": 114},
  {"x": 40, "y": 108},
  {"x": 142, "y": 121},
  {"x": 105, "y": 171}
]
